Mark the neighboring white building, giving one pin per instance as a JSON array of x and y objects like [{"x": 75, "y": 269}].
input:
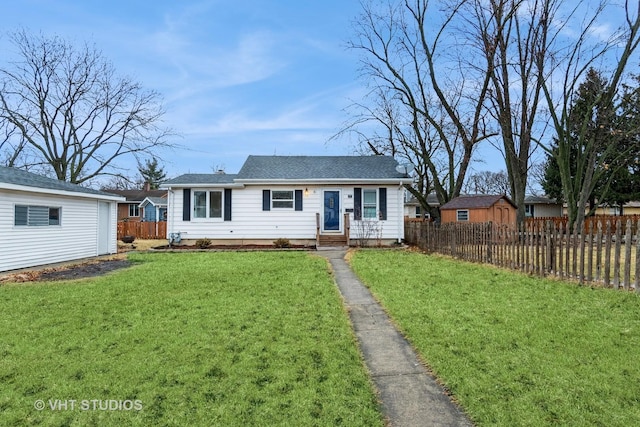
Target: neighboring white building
[
  {"x": 541, "y": 206},
  {"x": 44, "y": 221},
  {"x": 322, "y": 200}
]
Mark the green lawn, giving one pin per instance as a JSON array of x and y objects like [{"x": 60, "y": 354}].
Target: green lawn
[
  {"x": 515, "y": 350},
  {"x": 188, "y": 339}
]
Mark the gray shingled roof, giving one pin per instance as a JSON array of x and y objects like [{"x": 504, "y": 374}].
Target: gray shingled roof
[
  {"x": 157, "y": 201},
  {"x": 268, "y": 168},
  {"x": 319, "y": 167},
  {"x": 137, "y": 195},
  {"x": 201, "y": 178},
  {"x": 19, "y": 177},
  {"x": 474, "y": 202},
  {"x": 539, "y": 200}
]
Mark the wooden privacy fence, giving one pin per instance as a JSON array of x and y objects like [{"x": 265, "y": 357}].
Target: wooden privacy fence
[
  {"x": 603, "y": 253},
  {"x": 143, "y": 229}
]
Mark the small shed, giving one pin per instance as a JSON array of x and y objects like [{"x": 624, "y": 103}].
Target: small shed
[
  {"x": 154, "y": 209},
  {"x": 44, "y": 221},
  {"x": 498, "y": 209}
]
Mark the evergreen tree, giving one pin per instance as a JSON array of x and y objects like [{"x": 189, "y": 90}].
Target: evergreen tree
[{"x": 152, "y": 173}]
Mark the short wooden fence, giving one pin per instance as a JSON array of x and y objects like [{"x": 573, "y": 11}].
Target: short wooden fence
[
  {"x": 604, "y": 253},
  {"x": 143, "y": 229}
]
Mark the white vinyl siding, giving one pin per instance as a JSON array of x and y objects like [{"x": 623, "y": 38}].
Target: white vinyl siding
[
  {"x": 75, "y": 238},
  {"x": 250, "y": 221}
]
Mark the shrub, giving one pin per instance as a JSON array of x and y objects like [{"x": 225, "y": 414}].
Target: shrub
[
  {"x": 203, "y": 243},
  {"x": 282, "y": 243}
]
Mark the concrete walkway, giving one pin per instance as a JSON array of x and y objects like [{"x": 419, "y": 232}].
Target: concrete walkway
[{"x": 408, "y": 393}]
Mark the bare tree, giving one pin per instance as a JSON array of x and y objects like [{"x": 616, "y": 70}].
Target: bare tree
[
  {"x": 513, "y": 37},
  {"x": 429, "y": 106},
  {"x": 568, "y": 72},
  {"x": 73, "y": 114},
  {"x": 487, "y": 182}
]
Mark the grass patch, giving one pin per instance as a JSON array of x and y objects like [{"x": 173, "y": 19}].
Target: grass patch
[
  {"x": 197, "y": 338},
  {"x": 513, "y": 349}
]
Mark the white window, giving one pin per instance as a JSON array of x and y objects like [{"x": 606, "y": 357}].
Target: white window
[
  {"x": 207, "y": 204},
  {"x": 282, "y": 199},
  {"x": 134, "y": 209},
  {"x": 463, "y": 215},
  {"x": 528, "y": 210},
  {"x": 369, "y": 204},
  {"x": 35, "y": 216}
]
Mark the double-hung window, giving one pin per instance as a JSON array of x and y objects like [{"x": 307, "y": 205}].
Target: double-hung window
[
  {"x": 207, "y": 204},
  {"x": 282, "y": 199},
  {"x": 369, "y": 204},
  {"x": 134, "y": 210},
  {"x": 36, "y": 216}
]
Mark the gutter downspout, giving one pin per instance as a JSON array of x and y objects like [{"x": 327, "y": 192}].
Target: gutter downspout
[
  {"x": 401, "y": 213},
  {"x": 170, "y": 197}
]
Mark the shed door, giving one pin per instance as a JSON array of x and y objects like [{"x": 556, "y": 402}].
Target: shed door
[{"x": 104, "y": 227}]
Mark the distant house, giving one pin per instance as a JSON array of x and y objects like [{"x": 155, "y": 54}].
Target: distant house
[
  {"x": 413, "y": 209},
  {"x": 541, "y": 206},
  {"x": 44, "y": 221},
  {"x": 629, "y": 208},
  {"x": 154, "y": 209},
  {"x": 131, "y": 210},
  {"x": 324, "y": 200},
  {"x": 479, "y": 208}
]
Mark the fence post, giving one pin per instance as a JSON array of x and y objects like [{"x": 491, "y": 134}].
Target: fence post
[
  {"x": 616, "y": 259},
  {"x": 489, "y": 234},
  {"x": 627, "y": 256},
  {"x": 607, "y": 255},
  {"x": 637, "y": 281},
  {"x": 551, "y": 251}
]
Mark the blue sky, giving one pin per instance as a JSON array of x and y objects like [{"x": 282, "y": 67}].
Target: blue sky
[{"x": 237, "y": 77}]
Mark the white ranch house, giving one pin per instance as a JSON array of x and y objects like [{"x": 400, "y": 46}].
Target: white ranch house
[
  {"x": 313, "y": 200},
  {"x": 44, "y": 221}
]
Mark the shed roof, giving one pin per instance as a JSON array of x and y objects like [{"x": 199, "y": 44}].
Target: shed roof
[
  {"x": 475, "y": 201},
  {"x": 27, "y": 179}
]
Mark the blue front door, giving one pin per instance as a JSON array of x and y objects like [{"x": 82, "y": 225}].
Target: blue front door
[{"x": 331, "y": 210}]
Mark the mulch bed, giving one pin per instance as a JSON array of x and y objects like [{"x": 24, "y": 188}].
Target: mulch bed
[
  {"x": 231, "y": 247},
  {"x": 67, "y": 272}
]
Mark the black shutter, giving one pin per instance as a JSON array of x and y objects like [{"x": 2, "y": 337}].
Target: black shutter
[
  {"x": 186, "y": 204},
  {"x": 227, "y": 204},
  {"x": 357, "y": 203},
  {"x": 382, "y": 194},
  {"x": 266, "y": 200},
  {"x": 298, "y": 200}
]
